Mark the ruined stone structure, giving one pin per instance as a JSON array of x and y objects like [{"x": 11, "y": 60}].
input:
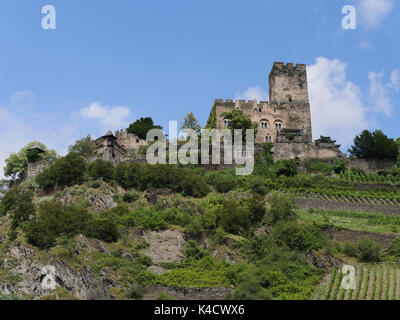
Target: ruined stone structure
[
  {"x": 285, "y": 120},
  {"x": 117, "y": 148}
]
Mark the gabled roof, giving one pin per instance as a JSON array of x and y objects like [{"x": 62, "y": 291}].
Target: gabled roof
[{"x": 37, "y": 147}]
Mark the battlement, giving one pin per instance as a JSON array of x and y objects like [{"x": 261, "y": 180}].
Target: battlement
[
  {"x": 241, "y": 104},
  {"x": 288, "y": 67}
]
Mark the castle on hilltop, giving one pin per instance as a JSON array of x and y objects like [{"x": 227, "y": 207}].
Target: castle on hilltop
[
  {"x": 287, "y": 112},
  {"x": 284, "y": 120}
]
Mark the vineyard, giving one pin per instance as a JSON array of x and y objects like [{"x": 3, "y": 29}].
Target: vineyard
[
  {"x": 373, "y": 282},
  {"x": 365, "y": 177}
]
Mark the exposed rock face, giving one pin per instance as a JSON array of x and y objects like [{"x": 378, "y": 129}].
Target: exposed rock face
[
  {"x": 39, "y": 280},
  {"x": 323, "y": 261},
  {"x": 165, "y": 246},
  {"x": 188, "y": 293},
  {"x": 34, "y": 168}
]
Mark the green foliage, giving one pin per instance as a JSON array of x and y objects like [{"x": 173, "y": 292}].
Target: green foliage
[
  {"x": 366, "y": 250},
  {"x": 190, "y": 122},
  {"x": 56, "y": 220},
  {"x": 193, "y": 251},
  {"x": 17, "y": 163},
  {"x": 130, "y": 197},
  {"x": 101, "y": 169},
  {"x": 258, "y": 185},
  {"x": 135, "y": 292},
  {"x": 240, "y": 121},
  {"x": 339, "y": 166},
  {"x": 164, "y": 296},
  {"x": 233, "y": 217},
  {"x": 66, "y": 171},
  {"x": 374, "y": 145},
  {"x": 394, "y": 248},
  {"x": 195, "y": 186},
  {"x": 322, "y": 167},
  {"x": 299, "y": 237},
  {"x": 223, "y": 183},
  {"x": 141, "y": 126},
  {"x": 286, "y": 168},
  {"x": 18, "y": 201},
  {"x": 280, "y": 207},
  {"x": 83, "y": 147},
  {"x": 103, "y": 228}
]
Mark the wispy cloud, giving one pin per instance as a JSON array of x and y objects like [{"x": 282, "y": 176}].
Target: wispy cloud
[
  {"x": 253, "y": 93},
  {"x": 372, "y": 13}
]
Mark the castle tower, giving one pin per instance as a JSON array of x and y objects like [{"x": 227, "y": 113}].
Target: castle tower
[{"x": 288, "y": 83}]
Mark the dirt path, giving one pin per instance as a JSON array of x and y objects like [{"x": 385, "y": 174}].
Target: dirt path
[
  {"x": 391, "y": 282},
  {"x": 384, "y": 282},
  {"x": 364, "y": 280},
  {"x": 398, "y": 283}
]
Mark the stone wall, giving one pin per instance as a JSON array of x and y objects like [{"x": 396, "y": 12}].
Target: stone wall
[
  {"x": 129, "y": 141},
  {"x": 306, "y": 151},
  {"x": 371, "y": 165},
  {"x": 34, "y": 168}
]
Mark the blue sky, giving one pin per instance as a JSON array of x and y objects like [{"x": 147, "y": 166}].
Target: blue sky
[{"x": 110, "y": 62}]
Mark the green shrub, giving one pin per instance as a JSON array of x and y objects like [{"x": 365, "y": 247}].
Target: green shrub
[
  {"x": 223, "y": 183},
  {"x": 164, "y": 296},
  {"x": 18, "y": 201},
  {"x": 135, "y": 292},
  {"x": 257, "y": 185},
  {"x": 280, "y": 207},
  {"x": 103, "y": 228},
  {"x": 299, "y": 237},
  {"x": 256, "y": 205},
  {"x": 368, "y": 250},
  {"x": 194, "y": 251},
  {"x": 233, "y": 217},
  {"x": 130, "y": 197},
  {"x": 286, "y": 168},
  {"x": 55, "y": 220},
  {"x": 394, "y": 248},
  {"x": 350, "y": 248},
  {"x": 339, "y": 166},
  {"x": 66, "y": 171},
  {"x": 101, "y": 169},
  {"x": 195, "y": 186},
  {"x": 323, "y": 167}
]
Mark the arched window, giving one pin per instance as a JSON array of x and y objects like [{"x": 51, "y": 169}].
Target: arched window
[
  {"x": 226, "y": 122},
  {"x": 268, "y": 138},
  {"x": 278, "y": 125},
  {"x": 264, "y": 124}
]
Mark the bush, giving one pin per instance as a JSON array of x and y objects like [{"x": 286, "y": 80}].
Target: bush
[
  {"x": 257, "y": 185},
  {"x": 286, "y": 168},
  {"x": 130, "y": 197},
  {"x": 135, "y": 292},
  {"x": 299, "y": 237},
  {"x": 55, "y": 220},
  {"x": 368, "y": 250},
  {"x": 233, "y": 217},
  {"x": 193, "y": 251},
  {"x": 101, "y": 169},
  {"x": 280, "y": 207},
  {"x": 103, "y": 228},
  {"x": 141, "y": 126},
  {"x": 18, "y": 201},
  {"x": 394, "y": 248},
  {"x": 223, "y": 183},
  {"x": 256, "y": 206},
  {"x": 195, "y": 186},
  {"x": 164, "y": 296},
  {"x": 65, "y": 171},
  {"x": 323, "y": 167},
  {"x": 339, "y": 166}
]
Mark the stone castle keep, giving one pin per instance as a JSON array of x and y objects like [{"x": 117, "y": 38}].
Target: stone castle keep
[{"x": 285, "y": 119}]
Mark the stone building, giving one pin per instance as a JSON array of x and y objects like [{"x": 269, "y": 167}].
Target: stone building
[
  {"x": 288, "y": 106},
  {"x": 284, "y": 120},
  {"x": 117, "y": 148}
]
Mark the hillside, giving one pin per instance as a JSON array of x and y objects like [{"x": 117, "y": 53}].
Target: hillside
[{"x": 137, "y": 231}]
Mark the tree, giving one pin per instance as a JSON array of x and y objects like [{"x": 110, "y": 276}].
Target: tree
[
  {"x": 374, "y": 145},
  {"x": 17, "y": 163},
  {"x": 323, "y": 139},
  {"x": 190, "y": 122},
  {"x": 83, "y": 147},
  {"x": 142, "y": 126},
  {"x": 240, "y": 121}
]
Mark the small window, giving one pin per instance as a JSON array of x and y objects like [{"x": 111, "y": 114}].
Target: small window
[
  {"x": 137, "y": 140},
  {"x": 226, "y": 122},
  {"x": 278, "y": 125},
  {"x": 264, "y": 124},
  {"x": 268, "y": 138}
]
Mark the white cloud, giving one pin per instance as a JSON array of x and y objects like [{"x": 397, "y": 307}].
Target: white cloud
[
  {"x": 379, "y": 94},
  {"x": 395, "y": 80},
  {"x": 108, "y": 117},
  {"x": 253, "y": 93},
  {"x": 371, "y": 13},
  {"x": 337, "y": 109}
]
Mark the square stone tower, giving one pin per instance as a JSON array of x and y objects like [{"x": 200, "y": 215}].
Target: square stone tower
[{"x": 285, "y": 118}]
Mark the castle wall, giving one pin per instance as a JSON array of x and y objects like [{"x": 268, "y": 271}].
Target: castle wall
[
  {"x": 35, "y": 168},
  {"x": 129, "y": 141},
  {"x": 306, "y": 151}
]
